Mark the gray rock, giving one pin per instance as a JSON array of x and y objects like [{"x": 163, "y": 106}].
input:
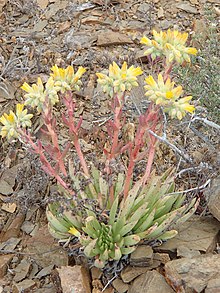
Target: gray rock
[
  {"x": 150, "y": 282},
  {"x": 27, "y": 227},
  {"x": 142, "y": 256},
  {"x": 120, "y": 286},
  {"x": 196, "y": 272},
  {"x": 187, "y": 7},
  {"x": 24, "y": 286},
  {"x": 129, "y": 273},
  {"x": 213, "y": 286},
  {"x": 22, "y": 270},
  {"x": 214, "y": 198},
  {"x": 198, "y": 233}
]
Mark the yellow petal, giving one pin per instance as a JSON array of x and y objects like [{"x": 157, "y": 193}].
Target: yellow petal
[
  {"x": 160, "y": 80},
  {"x": 74, "y": 231},
  {"x": 192, "y": 51},
  {"x": 19, "y": 109},
  {"x": 150, "y": 80},
  {"x": 145, "y": 41},
  {"x": 26, "y": 87}
]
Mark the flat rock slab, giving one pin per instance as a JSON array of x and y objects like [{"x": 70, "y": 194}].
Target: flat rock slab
[
  {"x": 150, "y": 282},
  {"x": 195, "y": 273},
  {"x": 110, "y": 38},
  {"x": 214, "y": 198},
  {"x": 198, "y": 233},
  {"x": 4, "y": 261},
  {"x": 74, "y": 279},
  {"x": 142, "y": 256}
]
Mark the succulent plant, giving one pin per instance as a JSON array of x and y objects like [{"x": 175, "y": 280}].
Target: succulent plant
[{"x": 150, "y": 212}]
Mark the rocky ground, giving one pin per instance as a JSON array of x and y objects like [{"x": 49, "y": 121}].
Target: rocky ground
[{"x": 34, "y": 35}]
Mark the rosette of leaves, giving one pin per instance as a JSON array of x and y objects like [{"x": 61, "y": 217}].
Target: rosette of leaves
[{"x": 150, "y": 212}]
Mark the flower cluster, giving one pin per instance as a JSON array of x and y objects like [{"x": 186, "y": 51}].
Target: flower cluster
[
  {"x": 66, "y": 79},
  {"x": 167, "y": 95},
  {"x": 119, "y": 79},
  {"x": 13, "y": 121},
  {"x": 171, "y": 44},
  {"x": 61, "y": 80}
]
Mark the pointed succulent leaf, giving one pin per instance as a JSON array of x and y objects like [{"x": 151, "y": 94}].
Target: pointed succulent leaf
[
  {"x": 162, "y": 227},
  {"x": 179, "y": 201},
  {"x": 139, "y": 213},
  {"x": 88, "y": 248},
  {"x": 103, "y": 186},
  {"x": 73, "y": 220},
  {"x": 188, "y": 214},
  {"x": 118, "y": 253},
  {"x": 56, "y": 223},
  {"x": 119, "y": 184},
  {"x": 128, "y": 250},
  {"x": 56, "y": 234},
  {"x": 128, "y": 203},
  {"x": 131, "y": 240},
  {"x": 144, "y": 223},
  {"x": 144, "y": 235},
  {"x": 168, "y": 235},
  {"x": 127, "y": 228},
  {"x": 113, "y": 211},
  {"x": 117, "y": 226},
  {"x": 95, "y": 177}
]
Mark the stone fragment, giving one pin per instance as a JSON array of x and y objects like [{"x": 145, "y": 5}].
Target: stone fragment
[
  {"x": 144, "y": 7},
  {"x": 14, "y": 228},
  {"x": 129, "y": 273},
  {"x": 25, "y": 286},
  {"x": 213, "y": 194},
  {"x": 5, "y": 259},
  {"x": 150, "y": 282},
  {"x": 10, "y": 244},
  {"x": 9, "y": 207},
  {"x": 142, "y": 256},
  {"x": 162, "y": 257},
  {"x": 120, "y": 286},
  {"x": 196, "y": 272},
  {"x": 184, "y": 251},
  {"x": 109, "y": 38},
  {"x": 198, "y": 233},
  {"x": 5, "y": 188},
  {"x": 78, "y": 41},
  {"x": 27, "y": 227},
  {"x": 46, "y": 250},
  {"x": 22, "y": 270},
  {"x": 44, "y": 272},
  {"x": 160, "y": 13},
  {"x": 187, "y": 7},
  {"x": 213, "y": 285},
  {"x": 72, "y": 280},
  {"x": 96, "y": 273}
]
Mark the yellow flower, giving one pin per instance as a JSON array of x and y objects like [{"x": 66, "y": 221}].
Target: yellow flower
[
  {"x": 165, "y": 94},
  {"x": 74, "y": 232},
  {"x": 66, "y": 79},
  {"x": 171, "y": 44},
  {"x": 161, "y": 92},
  {"x": 119, "y": 79},
  {"x": 13, "y": 122},
  {"x": 36, "y": 95}
]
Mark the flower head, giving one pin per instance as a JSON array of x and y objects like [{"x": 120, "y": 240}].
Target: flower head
[
  {"x": 165, "y": 94},
  {"x": 119, "y": 79},
  {"x": 12, "y": 122},
  {"x": 66, "y": 79},
  {"x": 171, "y": 44}
]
